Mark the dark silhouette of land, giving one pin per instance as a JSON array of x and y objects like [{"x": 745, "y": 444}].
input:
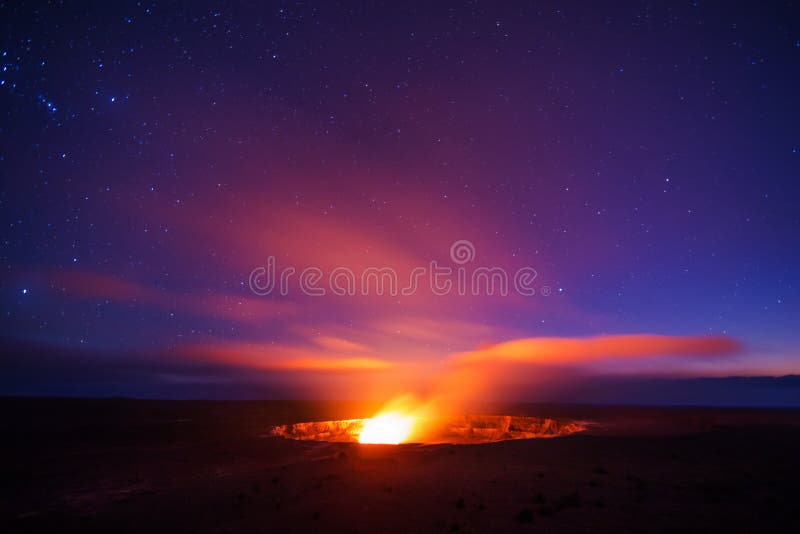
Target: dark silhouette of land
[{"x": 195, "y": 466}]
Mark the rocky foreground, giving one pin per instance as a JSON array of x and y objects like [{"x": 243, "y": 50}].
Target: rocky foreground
[{"x": 134, "y": 466}]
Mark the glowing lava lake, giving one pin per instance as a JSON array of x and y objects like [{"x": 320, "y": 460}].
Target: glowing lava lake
[{"x": 395, "y": 428}]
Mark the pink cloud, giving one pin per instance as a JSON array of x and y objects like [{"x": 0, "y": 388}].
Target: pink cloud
[{"x": 566, "y": 351}]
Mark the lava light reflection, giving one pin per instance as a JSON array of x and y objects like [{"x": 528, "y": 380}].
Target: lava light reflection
[{"x": 389, "y": 428}]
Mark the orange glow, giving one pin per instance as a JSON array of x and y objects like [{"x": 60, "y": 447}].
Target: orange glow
[
  {"x": 458, "y": 429},
  {"x": 567, "y": 351},
  {"x": 390, "y": 428},
  {"x": 332, "y": 364},
  {"x": 285, "y": 358}
]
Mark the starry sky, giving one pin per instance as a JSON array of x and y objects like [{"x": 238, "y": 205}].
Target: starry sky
[{"x": 642, "y": 157}]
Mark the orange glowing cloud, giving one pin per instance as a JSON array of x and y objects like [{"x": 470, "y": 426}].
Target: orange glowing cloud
[
  {"x": 282, "y": 357},
  {"x": 567, "y": 351},
  {"x": 478, "y": 375},
  {"x": 332, "y": 364}
]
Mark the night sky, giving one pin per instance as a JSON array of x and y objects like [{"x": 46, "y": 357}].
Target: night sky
[{"x": 642, "y": 157}]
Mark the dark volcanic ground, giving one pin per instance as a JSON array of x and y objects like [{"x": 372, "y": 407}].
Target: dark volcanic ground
[{"x": 210, "y": 467}]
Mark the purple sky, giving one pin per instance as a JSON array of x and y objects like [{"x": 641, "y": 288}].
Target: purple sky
[{"x": 642, "y": 159}]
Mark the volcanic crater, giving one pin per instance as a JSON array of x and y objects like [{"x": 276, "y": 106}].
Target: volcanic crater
[{"x": 464, "y": 429}]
